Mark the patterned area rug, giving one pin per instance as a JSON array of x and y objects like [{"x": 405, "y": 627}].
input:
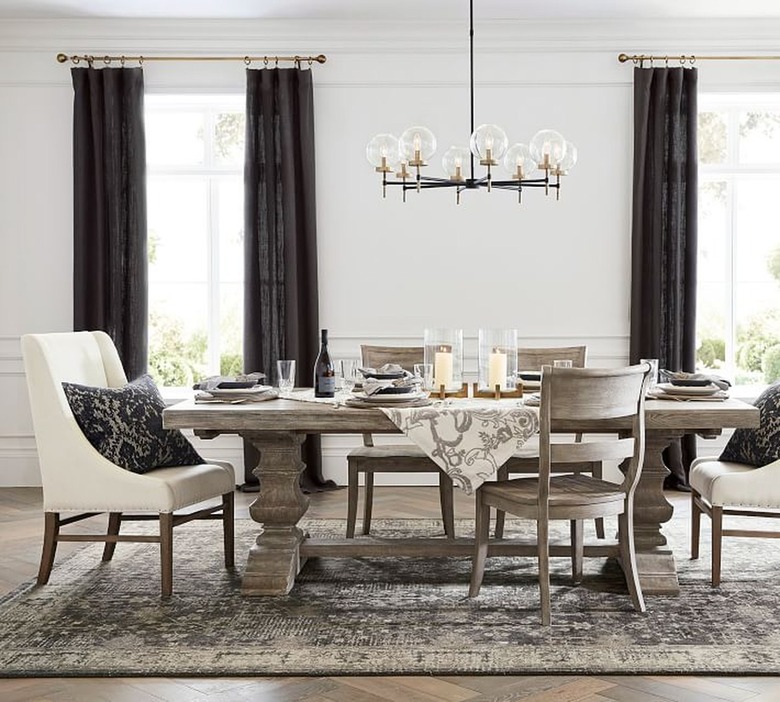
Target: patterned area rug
[{"x": 385, "y": 616}]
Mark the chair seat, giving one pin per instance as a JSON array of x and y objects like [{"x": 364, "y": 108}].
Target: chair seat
[
  {"x": 723, "y": 483},
  {"x": 160, "y": 490},
  {"x": 565, "y": 491}
]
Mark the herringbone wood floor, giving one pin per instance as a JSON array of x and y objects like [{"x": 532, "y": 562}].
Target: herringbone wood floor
[{"x": 22, "y": 526}]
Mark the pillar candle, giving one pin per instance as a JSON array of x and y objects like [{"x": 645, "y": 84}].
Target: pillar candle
[
  {"x": 496, "y": 369},
  {"x": 442, "y": 368}
]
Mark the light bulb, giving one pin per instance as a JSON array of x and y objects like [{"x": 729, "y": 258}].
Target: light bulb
[
  {"x": 518, "y": 161},
  {"x": 488, "y": 143},
  {"x": 548, "y": 148},
  {"x": 417, "y": 145},
  {"x": 453, "y": 160},
  {"x": 382, "y": 152}
]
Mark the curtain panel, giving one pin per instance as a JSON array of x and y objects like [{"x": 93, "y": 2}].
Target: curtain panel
[
  {"x": 281, "y": 317},
  {"x": 664, "y": 230},
  {"x": 110, "y": 274}
]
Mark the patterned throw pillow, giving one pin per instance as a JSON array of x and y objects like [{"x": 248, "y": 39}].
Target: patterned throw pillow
[
  {"x": 757, "y": 447},
  {"x": 125, "y": 425}
]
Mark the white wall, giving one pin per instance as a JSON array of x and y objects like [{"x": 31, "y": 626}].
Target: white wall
[{"x": 557, "y": 271}]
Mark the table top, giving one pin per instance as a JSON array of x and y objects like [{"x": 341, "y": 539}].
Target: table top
[{"x": 282, "y": 415}]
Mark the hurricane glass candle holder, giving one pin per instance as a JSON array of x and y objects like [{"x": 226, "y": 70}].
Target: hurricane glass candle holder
[
  {"x": 443, "y": 349},
  {"x": 497, "y": 359}
]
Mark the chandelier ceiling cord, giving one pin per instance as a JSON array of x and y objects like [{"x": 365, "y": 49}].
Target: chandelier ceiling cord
[{"x": 548, "y": 152}]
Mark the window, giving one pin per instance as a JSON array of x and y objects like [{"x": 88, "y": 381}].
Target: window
[
  {"x": 195, "y": 193},
  {"x": 738, "y": 313}
]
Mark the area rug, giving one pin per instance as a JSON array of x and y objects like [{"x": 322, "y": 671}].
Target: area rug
[{"x": 385, "y": 616}]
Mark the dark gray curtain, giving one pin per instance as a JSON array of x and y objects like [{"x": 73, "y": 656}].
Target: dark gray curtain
[
  {"x": 664, "y": 231},
  {"x": 109, "y": 209},
  {"x": 281, "y": 316}
]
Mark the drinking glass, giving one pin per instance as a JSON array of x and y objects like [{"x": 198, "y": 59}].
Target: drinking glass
[
  {"x": 346, "y": 373},
  {"x": 286, "y": 372},
  {"x": 563, "y": 363},
  {"x": 424, "y": 371},
  {"x": 653, "y": 371}
]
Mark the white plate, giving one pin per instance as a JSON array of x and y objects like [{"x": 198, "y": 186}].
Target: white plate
[
  {"x": 389, "y": 399},
  {"x": 689, "y": 390},
  {"x": 413, "y": 402},
  {"x": 240, "y": 392}
]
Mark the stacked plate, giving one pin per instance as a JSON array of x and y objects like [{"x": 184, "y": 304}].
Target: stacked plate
[
  {"x": 677, "y": 391},
  {"x": 415, "y": 398}
]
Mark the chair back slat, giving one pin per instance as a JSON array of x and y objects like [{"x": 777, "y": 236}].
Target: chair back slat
[
  {"x": 533, "y": 358},
  {"x": 404, "y": 356},
  {"x": 589, "y": 451}
]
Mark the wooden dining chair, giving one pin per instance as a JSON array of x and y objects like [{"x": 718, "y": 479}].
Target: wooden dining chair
[
  {"x": 526, "y": 460},
  {"x": 572, "y": 399},
  {"x": 391, "y": 458}
]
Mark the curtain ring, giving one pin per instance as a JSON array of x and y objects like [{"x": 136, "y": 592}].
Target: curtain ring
[
  {"x": 89, "y": 59},
  {"x": 265, "y": 60},
  {"x": 122, "y": 61},
  {"x": 692, "y": 60},
  {"x": 682, "y": 60},
  {"x": 107, "y": 60},
  {"x": 76, "y": 60},
  {"x": 310, "y": 60},
  {"x": 247, "y": 60},
  {"x": 140, "y": 61},
  {"x": 666, "y": 61},
  {"x": 276, "y": 62}
]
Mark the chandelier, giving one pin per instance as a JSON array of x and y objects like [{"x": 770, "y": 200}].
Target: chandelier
[{"x": 548, "y": 155}]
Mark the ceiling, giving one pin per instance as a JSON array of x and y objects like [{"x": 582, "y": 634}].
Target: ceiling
[{"x": 384, "y": 10}]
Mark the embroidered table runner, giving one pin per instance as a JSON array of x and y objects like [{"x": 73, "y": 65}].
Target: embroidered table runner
[{"x": 469, "y": 440}]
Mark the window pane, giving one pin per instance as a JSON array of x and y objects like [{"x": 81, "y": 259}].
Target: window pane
[
  {"x": 178, "y": 234},
  {"x": 229, "y": 138},
  {"x": 711, "y": 137},
  {"x": 759, "y": 137},
  {"x": 757, "y": 278},
  {"x": 231, "y": 328},
  {"x": 230, "y": 199},
  {"x": 712, "y": 291},
  {"x": 178, "y": 336},
  {"x": 174, "y": 138}
]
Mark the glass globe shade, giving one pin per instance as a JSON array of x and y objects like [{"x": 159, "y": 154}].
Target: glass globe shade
[
  {"x": 489, "y": 136},
  {"x": 417, "y": 139},
  {"x": 550, "y": 143},
  {"x": 456, "y": 157},
  {"x": 383, "y": 145},
  {"x": 519, "y": 155},
  {"x": 570, "y": 159}
]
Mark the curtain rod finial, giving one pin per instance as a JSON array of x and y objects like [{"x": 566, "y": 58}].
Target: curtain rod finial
[
  {"x": 623, "y": 58},
  {"x": 62, "y": 58},
  {"x": 321, "y": 58}
]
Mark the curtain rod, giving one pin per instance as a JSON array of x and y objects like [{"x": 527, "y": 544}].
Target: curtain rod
[
  {"x": 690, "y": 60},
  {"x": 89, "y": 59}
]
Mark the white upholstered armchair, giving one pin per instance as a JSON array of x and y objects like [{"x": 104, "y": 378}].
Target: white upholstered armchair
[{"x": 80, "y": 482}]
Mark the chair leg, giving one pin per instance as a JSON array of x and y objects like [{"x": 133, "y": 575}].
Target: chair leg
[
  {"x": 695, "y": 524},
  {"x": 598, "y": 472},
  {"x": 501, "y": 474},
  {"x": 481, "y": 536},
  {"x": 628, "y": 557},
  {"x": 51, "y": 531},
  {"x": 577, "y": 549},
  {"x": 114, "y": 522},
  {"x": 166, "y": 553},
  {"x": 447, "y": 504},
  {"x": 368, "y": 501},
  {"x": 717, "y": 541},
  {"x": 229, "y": 528},
  {"x": 352, "y": 499},
  {"x": 543, "y": 551}
]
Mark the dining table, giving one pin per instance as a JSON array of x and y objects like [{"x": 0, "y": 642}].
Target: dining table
[{"x": 278, "y": 427}]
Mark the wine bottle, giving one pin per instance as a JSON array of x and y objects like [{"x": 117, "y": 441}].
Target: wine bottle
[{"x": 324, "y": 371}]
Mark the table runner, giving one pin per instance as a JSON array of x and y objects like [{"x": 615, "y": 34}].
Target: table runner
[{"x": 469, "y": 440}]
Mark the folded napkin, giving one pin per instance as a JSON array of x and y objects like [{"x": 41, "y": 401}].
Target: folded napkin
[
  {"x": 387, "y": 369},
  {"x": 214, "y": 381},
  {"x": 532, "y": 400},
  {"x": 374, "y": 385},
  {"x": 667, "y": 375}
]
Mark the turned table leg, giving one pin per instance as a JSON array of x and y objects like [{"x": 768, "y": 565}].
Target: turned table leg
[
  {"x": 655, "y": 560},
  {"x": 274, "y": 559}
]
